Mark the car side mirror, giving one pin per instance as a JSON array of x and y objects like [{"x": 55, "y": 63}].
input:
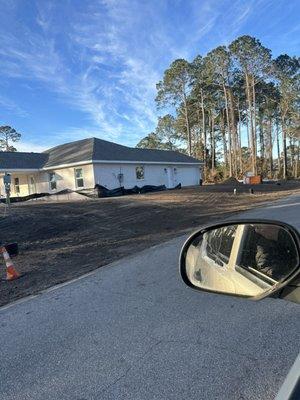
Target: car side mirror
[{"x": 246, "y": 258}]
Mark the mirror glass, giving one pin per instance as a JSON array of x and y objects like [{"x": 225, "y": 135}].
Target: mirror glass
[{"x": 242, "y": 259}]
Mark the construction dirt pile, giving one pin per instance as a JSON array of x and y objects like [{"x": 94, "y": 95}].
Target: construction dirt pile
[
  {"x": 66, "y": 195},
  {"x": 231, "y": 181}
]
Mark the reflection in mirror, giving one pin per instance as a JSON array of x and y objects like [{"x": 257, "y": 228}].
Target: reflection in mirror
[{"x": 241, "y": 259}]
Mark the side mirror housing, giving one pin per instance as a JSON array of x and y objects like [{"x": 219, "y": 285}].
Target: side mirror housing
[{"x": 244, "y": 258}]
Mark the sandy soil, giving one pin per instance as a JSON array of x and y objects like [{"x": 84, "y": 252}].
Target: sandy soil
[{"x": 60, "y": 241}]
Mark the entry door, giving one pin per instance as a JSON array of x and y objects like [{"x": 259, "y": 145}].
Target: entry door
[
  {"x": 31, "y": 184},
  {"x": 170, "y": 178}
]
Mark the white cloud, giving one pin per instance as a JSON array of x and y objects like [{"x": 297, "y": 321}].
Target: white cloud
[
  {"x": 105, "y": 58},
  {"x": 10, "y": 105},
  {"x": 29, "y": 147}
]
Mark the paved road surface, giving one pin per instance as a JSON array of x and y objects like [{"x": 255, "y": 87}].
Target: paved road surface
[{"x": 132, "y": 330}]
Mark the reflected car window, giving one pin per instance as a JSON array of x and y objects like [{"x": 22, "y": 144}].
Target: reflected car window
[
  {"x": 268, "y": 250},
  {"x": 220, "y": 242}
]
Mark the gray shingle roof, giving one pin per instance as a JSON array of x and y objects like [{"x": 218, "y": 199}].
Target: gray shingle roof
[
  {"x": 86, "y": 150},
  {"x": 104, "y": 150},
  {"x": 18, "y": 160},
  {"x": 68, "y": 153}
]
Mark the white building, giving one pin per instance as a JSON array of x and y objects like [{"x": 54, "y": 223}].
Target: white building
[{"x": 85, "y": 163}]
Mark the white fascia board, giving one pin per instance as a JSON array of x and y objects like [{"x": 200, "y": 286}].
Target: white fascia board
[
  {"x": 118, "y": 162},
  {"x": 66, "y": 165},
  {"x": 11, "y": 170},
  {"x": 98, "y": 162},
  {"x": 146, "y": 162}
]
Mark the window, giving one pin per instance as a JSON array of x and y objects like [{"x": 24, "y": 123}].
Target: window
[
  {"x": 79, "y": 178},
  {"x": 52, "y": 181},
  {"x": 269, "y": 256},
  {"x": 17, "y": 185},
  {"x": 140, "y": 173},
  {"x": 31, "y": 185},
  {"x": 220, "y": 242}
]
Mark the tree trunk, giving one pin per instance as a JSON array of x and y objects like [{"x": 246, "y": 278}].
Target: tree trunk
[
  {"x": 278, "y": 149},
  {"x": 284, "y": 150},
  {"x": 213, "y": 156},
  {"x": 297, "y": 160},
  {"x": 248, "y": 130},
  {"x": 292, "y": 156},
  {"x": 254, "y": 126},
  {"x": 199, "y": 138},
  {"x": 240, "y": 144},
  {"x": 248, "y": 97},
  {"x": 188, "y": 130},
  {"x": 262, "y": 143},
  {"x": 296, "y": 156},
  {"x": 270, "y": 148},
  {"x": 204, "y": 134},
  {"x": 234, "y": 131},
  {"x": 229, "y": 131},
  {"x": 210, "y": 142},
  {"x": 6, "y": 143},
  {"x": 223, "y": 132}
]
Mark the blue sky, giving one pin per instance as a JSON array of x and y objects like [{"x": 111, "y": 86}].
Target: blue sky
[{"x": 72, "y": 69}]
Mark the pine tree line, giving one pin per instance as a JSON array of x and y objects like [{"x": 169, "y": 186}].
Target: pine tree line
[{"x": 236, "y": 108}]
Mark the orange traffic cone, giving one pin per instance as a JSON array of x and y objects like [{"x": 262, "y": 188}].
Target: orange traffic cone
[{"x": 11, "y": 273}]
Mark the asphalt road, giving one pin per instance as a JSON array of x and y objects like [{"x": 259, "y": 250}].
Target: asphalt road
[{"x": 132, "y": 330}]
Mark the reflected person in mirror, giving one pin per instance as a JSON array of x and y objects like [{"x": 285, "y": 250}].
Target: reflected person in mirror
[{"x": 274, "y": 253}]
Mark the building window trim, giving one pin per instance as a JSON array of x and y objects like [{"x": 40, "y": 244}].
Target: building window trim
[
  {"x": 31, "y": 184},
  {"x": 17, "y": 185},
  {"x": 140, "y": 173},
  {"x": 79, "y": 178},
  {"x": 52, "y": 181}
]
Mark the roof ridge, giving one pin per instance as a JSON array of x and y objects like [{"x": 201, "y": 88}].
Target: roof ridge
[
  {"x": 93, "y": 139},
  {"x": 20, "y": 152},
  {"x": 65, "y": 144},
  {"x": 93, "y": 147},
  {"x": 110, "y": 142}
]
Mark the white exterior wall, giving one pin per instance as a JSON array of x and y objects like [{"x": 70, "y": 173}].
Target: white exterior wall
[
  {"x": 154, "y": 174},
  {"x": 106, "y": 175},
  {"x": 189, "y": 176},
  {"x": 24, "y": 180},
  {"x": 65, "y": 179}
]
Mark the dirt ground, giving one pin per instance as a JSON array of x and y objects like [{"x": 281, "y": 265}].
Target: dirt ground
[{"x": 60, "y": 241}]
